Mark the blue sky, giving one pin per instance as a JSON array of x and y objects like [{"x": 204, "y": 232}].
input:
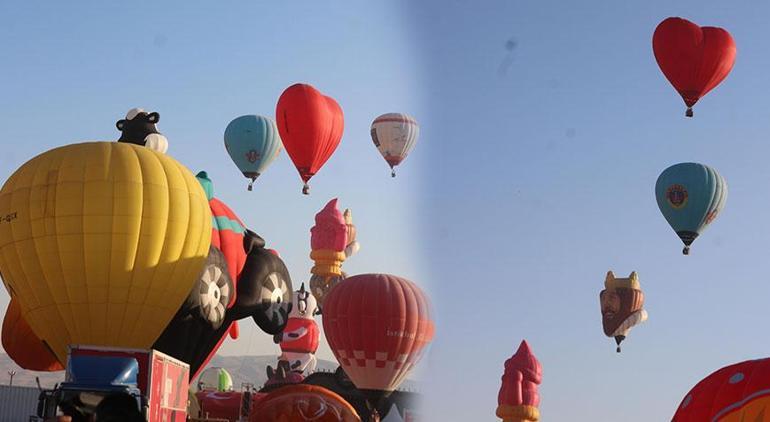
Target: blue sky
[
  {"x": 70, "y": 72},
  {"x": 544, "y": 180},
  {"x": 524, "y": 189}
]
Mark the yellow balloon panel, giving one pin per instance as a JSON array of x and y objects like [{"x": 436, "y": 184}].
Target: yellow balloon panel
[{"x": 101, "y": 242}]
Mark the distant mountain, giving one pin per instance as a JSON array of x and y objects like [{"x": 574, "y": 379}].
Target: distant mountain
[{"x": 243, "y": 369}]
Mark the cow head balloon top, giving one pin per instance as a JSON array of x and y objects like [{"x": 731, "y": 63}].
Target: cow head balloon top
[{"x": 140, "y": 128}]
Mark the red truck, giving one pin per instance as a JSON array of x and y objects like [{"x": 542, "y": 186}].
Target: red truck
[{"x": 158, "y": 383}]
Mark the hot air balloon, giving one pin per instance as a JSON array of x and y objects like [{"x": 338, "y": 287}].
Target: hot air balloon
[
  {"x": 694, "y": 59},
  {"x": 394, "y": 135},
  {"x": 690, "y": 196},
  {"x": 328, "y": 243},
  {"x": 23, "y": 345},
  {"x": 377, "y": 326},
  {"x": 262, "y": 290},
  {"x": 518, "y": 398},
  {"x": 739, "y": 392},
  {"x": 311, "y": 126},
  {"x": 253, "y": 143},
  {"x": 621, "y": 302},
  {"x": 215, "y": 379},
  {"x": 101, "y": 243},
  {"x": 300, "y": 402}
]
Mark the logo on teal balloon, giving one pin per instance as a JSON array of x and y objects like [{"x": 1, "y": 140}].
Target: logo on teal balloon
[{"x": 677, "y": 196}]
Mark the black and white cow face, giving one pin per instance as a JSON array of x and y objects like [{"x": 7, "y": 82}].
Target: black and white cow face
[{"x": 139, "y": 127}]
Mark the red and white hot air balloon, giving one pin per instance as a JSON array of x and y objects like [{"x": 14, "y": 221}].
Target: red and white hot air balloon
[{"x": 377, "y": 326}]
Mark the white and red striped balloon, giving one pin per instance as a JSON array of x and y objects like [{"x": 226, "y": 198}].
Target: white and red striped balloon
[
  {"x": 377, "y": 325},
  {"x": 394, "y": 135}
]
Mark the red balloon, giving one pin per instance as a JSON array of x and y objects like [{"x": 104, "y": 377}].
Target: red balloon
[
  {"x": 739, "y": 392},
  {"x": 694, "y": 59},
  {"x": 23, "y": 345},
  {"x": 377, "y": 326},
  {"x": 310, "y": 125}
]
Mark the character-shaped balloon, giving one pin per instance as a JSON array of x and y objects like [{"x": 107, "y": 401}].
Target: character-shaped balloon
[
  {"x": 299, "y": 340},
  {"x": 140, "y": 128},
  {"x": 328, "y": 241},
  {"x": 622, "y": 300},
  {"x": 518, "y": 398}
]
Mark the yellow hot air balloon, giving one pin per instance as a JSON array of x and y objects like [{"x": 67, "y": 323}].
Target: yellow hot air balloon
[{"x": 101, "y": 242}]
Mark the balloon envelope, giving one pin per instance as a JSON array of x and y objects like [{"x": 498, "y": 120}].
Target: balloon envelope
[
  {"x": 310, "y": 125},
  {"x": 394, "y": 135},
  {"x": 253, "y": 143},
  {"x": 23, "y": 345},
  {"x": 694, "y": 59},
  {"x": 377, "y": 325},
  {"x": 690, "y": 196},
  {"x": 301, "y": 402},
  {"x": 739, "y": 392},
  {"x": 101, "y": 243}
]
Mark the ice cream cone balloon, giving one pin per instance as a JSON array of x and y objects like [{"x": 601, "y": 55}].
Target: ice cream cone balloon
[
  {"x": 518, "y": 398},
  {"x": 328, "y": 240}
]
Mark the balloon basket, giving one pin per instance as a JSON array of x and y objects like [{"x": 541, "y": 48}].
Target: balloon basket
[
  {"x": 306, "y": 189},
  {"x": 689, "y": 112}
]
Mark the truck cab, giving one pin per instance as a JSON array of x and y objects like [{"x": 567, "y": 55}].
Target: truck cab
[{"x": 158, "y": 383}]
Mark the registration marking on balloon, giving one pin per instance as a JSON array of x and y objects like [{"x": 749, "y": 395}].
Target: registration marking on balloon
[
  {"x": 9, "y": 217},
  {"x": 677, "y": 196}
]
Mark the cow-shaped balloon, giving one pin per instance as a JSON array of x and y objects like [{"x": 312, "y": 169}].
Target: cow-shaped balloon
[
  {"x": 140, "y": 128},
  {"x": 299, "y": 339}
]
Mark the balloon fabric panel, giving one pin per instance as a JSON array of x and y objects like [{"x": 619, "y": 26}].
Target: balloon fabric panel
[{"x": 106, "y": 242}]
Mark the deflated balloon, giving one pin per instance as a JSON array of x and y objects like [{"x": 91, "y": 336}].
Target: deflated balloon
[
  {"x": 101, "y": 242},
  {"x": 394, "y": 135},
  {"x": 301, "y": 402},
  {"x": 23, "y": 345},
  {"x": 694, "y": 59},
  {"x": 253, "y": 143},
  {"x": 311, "y": 126},
  {"x": 690, "y": 196}
]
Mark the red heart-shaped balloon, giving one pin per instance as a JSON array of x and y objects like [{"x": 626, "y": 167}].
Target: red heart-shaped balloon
[
  {"x": 694, "y": 59},
  {"x": 310, "y": 125}
]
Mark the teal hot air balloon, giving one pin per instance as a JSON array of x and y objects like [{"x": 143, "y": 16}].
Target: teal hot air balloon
[
  {"x": 690, "y": 196},
  {"x": 253, "y": 143}
]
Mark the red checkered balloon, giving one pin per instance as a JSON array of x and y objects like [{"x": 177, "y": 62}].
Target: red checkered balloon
[{"x": 377, "y": 325}]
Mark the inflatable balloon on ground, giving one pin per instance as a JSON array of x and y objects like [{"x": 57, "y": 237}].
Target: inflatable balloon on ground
[
  {"x": 215, "y": 379},
  {"x": 328, "y": 243},
  {"x": 694, "y": 59},
  {"x": 621, "y": 303},
  {"x": 690, "y": 196},
  {"x": 261, "y": 290},
  {"x": 394, "y": 135},
  {"x": 101, "y": 243},
  {"x": 140, "y": 128},
  {"x": 299, "y": 339},
  {"x": 377, "y": 326},
  {"x": 23, "y": 345},
  {"x": 518, "y": 399},
  {"x": 311, "y": 126},
  {"x": 300, "y": 402},
  {"x": 735, "y": 393},
  {"x": 253, "y": 143}
]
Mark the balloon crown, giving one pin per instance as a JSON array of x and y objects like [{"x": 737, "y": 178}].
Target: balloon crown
[{"x": 632, "y": 282}]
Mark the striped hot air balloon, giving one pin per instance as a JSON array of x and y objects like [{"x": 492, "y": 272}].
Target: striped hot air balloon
[{"x": 394, "y": 135}]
